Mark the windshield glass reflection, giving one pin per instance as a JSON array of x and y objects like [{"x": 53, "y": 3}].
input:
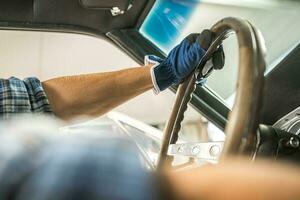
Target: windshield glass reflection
[{"x": 171, "y": 20}]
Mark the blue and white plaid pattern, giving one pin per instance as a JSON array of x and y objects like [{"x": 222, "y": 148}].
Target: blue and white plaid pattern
[{"x": 22, "y": 96}]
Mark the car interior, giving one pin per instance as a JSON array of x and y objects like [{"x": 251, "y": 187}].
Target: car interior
[{"x": 263, "y": 120}]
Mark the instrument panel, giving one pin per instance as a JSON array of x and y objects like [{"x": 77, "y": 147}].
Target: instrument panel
[{"x": 290, "y": 122}]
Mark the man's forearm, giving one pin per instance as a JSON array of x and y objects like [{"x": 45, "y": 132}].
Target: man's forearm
[{"x": 95, "y": 94}]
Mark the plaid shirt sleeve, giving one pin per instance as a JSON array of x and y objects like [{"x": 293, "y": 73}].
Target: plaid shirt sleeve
[{"x": 22, "y": 96}]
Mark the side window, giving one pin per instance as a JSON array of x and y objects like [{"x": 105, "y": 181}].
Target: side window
[{"x": 49, "y": 55}]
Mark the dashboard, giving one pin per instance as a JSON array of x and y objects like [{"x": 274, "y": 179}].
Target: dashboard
[{"x": 290, "y": 122}]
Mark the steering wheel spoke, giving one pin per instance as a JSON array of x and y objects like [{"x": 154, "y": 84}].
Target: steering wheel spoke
[{"x": 198, "y": 150}]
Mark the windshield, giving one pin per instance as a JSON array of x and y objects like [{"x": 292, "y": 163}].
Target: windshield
[{"x": 171, "y": 20}]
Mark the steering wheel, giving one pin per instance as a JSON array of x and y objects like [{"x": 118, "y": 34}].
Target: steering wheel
[{"x": 243, "y": 121}]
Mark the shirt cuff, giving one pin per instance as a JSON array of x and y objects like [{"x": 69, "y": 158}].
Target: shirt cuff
[
  {"x": 148, "y": 61},
  {"x": 38, "y": 99}
]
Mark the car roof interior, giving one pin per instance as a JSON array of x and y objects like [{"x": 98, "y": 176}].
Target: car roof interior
[{"x": 87, "y": 16}]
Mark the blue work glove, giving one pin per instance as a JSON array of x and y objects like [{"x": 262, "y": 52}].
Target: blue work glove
[{"x": 180, "y": 62}]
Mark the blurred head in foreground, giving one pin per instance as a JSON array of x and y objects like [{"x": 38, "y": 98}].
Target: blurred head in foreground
[{"x": 39, "y": 163}]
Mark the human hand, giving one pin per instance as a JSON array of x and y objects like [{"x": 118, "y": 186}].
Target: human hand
[{"x": 183, "y": 60}]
